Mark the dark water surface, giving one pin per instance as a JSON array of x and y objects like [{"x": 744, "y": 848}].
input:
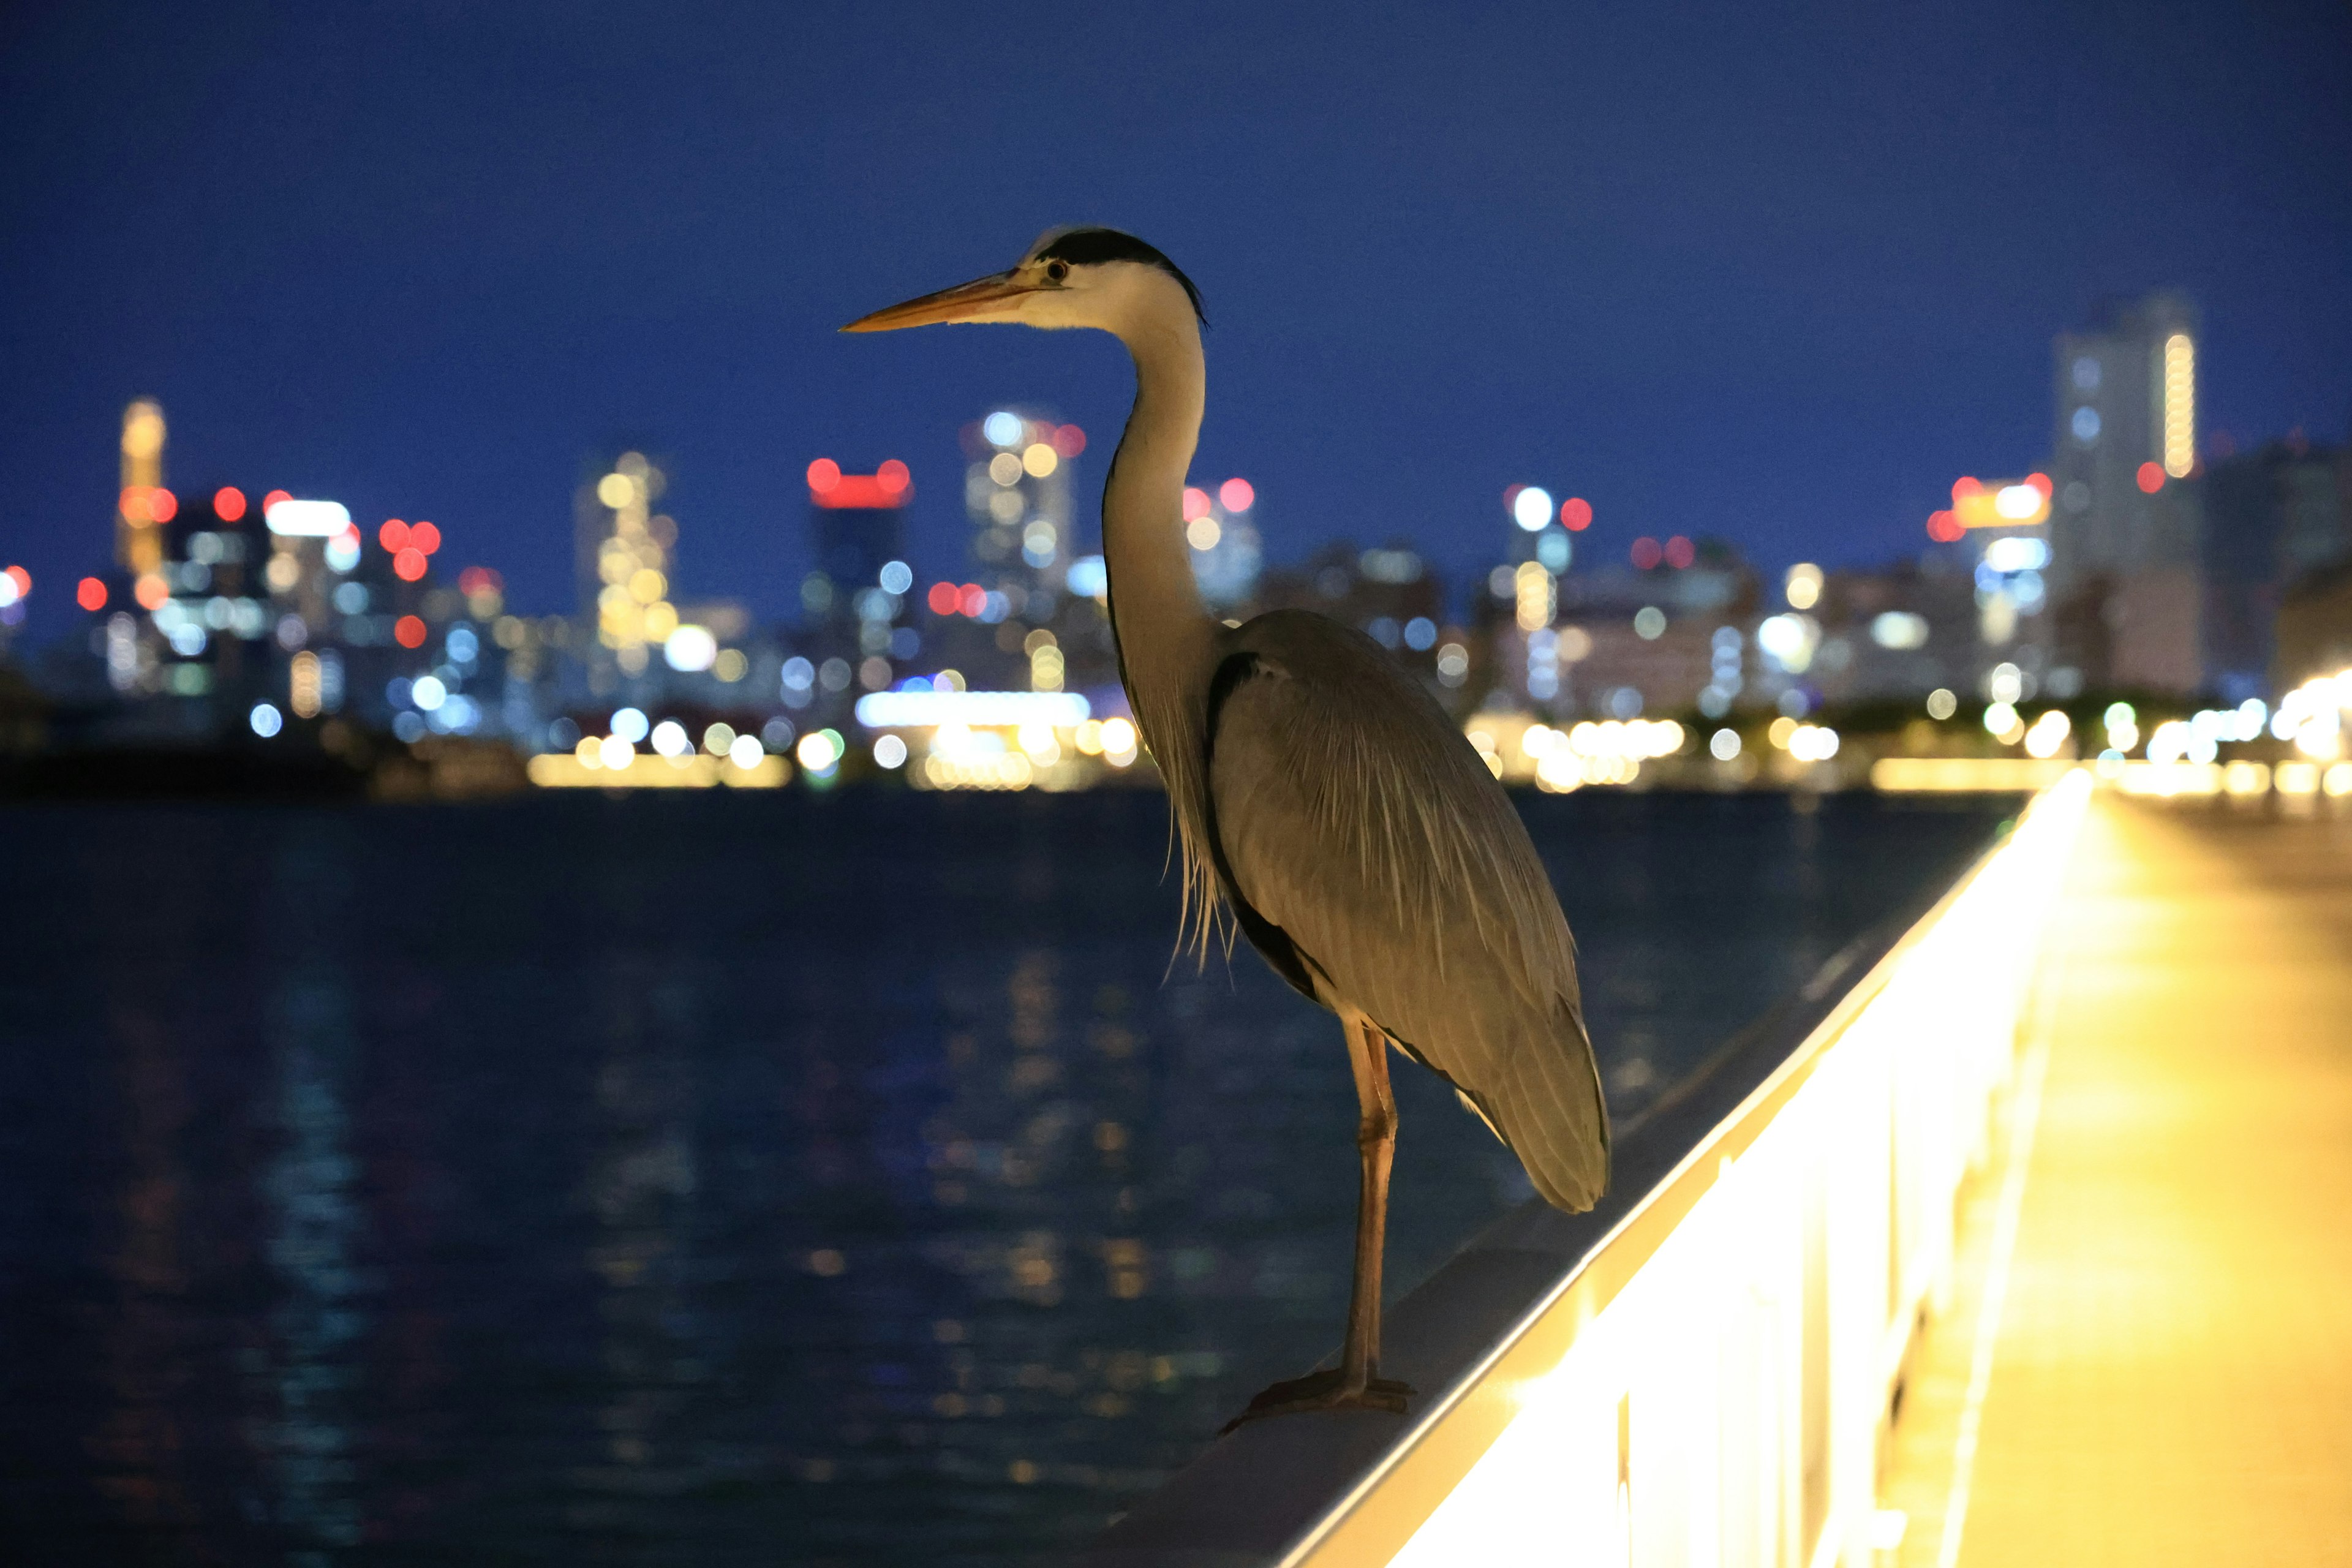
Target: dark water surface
[{"x": 728, "y": 1178}]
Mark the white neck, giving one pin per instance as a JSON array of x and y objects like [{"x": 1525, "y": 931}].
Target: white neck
[{"x": 1167, "y": 640}]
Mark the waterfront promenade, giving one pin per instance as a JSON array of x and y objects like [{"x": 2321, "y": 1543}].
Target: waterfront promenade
[{"x": 2149, "y": 1348}]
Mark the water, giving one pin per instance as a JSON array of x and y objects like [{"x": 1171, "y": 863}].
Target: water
[{"x": 731, "y": 1178}]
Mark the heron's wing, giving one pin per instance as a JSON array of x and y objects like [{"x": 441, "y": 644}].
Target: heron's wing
[{"x": 1373, "y": 850}]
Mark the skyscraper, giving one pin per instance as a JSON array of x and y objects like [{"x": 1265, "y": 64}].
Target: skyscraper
[
  {"x": 856, "y": 597},
  {"x": 2124, "y": 532},
  {"x": 624, "y": 552},
  {"x": 1016, "y": 491}
]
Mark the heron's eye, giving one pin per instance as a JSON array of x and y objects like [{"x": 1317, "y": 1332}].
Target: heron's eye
[{"x": 1057, "y": 270}]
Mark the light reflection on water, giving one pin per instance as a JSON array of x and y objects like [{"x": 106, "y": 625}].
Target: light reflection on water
[{"x": 726, "y": 1179}]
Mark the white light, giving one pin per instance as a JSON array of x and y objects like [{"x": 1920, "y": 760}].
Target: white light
[
  {"x": 266, "y": 720},
  {"x": 1899, "y": 629},
  {"x": 923, "y": 710},
  {"x": 670, "y": 739},
  {"x": 308, "y": 518},
  {"x": 2001, "y": 720},
  {"x": 895, "y": 577},
  {"x": 1649, "y": 623},
  {"x": 1724, "y": 745},
  {"x": 2017, "y": 555},
  {"x": 344, "y": 551},
  {"x": 745, "y": 751},
  {"x": 890, "y": 752},
  {"x": 815, "y": 750},
  {"x": 1531, "y": 508},
  {"x": 2006, "y": 684},
  {"x": 690, "y": 648},
  {"x": 8, "y": 593},
  {"x": 1002, "y": 429},
  {"x": 1088, "y": 578},
  {"x": 1788, "y": 640},
  {"x": 1942, "y": 703},
  {"x": 427, "y": 693},
  {"x": 2019, "y": 503},
  {"x": 615, "y": 753},
  {"x": 630, "y": 724}
]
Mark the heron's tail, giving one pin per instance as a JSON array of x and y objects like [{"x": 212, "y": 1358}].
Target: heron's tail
[{"x": 1551, "y": 1111}]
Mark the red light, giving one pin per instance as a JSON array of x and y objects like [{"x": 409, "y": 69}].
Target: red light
[
  {"x": 944, "y": 597},
  {"x": 1511, "y": 499},
  {"x": 134, "y": 505},
  {"x": 161, "y": 505},
  {"x": 408, "y": 564},
  {"x": 2040, "y": 482},
  {"x": 892, "y": 476},
  {"x": 90, "y": 593},
  {"x": 229, "y": 504},
  {"x": 1964, "y": 487},
  {"x": 1069, "y": 441},
  {"x": 1576, "y": 512},
  {"x": 862, "y": 492},
  {"x": 1680, "y": 552},
  {"x": 1196, "y": 504},
  {"x": 1943, "y": 527},
  {"x": 22, "y": 578},
  {"x": 1237, "y": 495},
  {"x": 2151, "y": 476},
  {"x": 479, "y": 580},
  {"x": 1647, "y": 553},
  {"x": 151, "y": 591},
  {"x": 423, "y": 536},
  {"x": 272, "y": 499},
  {"x": 974, "y": 599},
  {"x": 392, "y": 535},
  {"x": 409, "y": 630},
  {"x": 824, "y": 473}
]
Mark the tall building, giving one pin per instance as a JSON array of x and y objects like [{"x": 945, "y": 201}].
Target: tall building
[
  {"x": 138, "y": 546},
  {"x": 2124, "y": 532},
  {"x": 2278, "y": 523},
  {"x": 1016, "y": 491},
  {"x": 624, "y": 553},
  {"x": 856, "y": 597}
]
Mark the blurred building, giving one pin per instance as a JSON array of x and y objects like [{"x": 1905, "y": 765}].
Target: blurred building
[
  {"x": 2277, "y": 529},
  {"x": 857, "y": 599},
  {"x": 1663, "y": 631},
  {"x": 622, "y": 555},
  {"x": 2123, "y": 575}
]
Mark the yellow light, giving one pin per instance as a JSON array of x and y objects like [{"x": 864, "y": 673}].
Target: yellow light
[
  {"x": 730, "y": 665},
  {"x": 661, "y": 620},
  {"x": 616, "y": 490},
  {"x": 1537, "y": 600},
  {"x": 1804, "y": 585},
  {"x": 616, "y": 753},
  {"x": 1004, "y": 469},
  {"x": 1090, "y": 737},
  {"x": 1782, "y": 728},
  {"x": 2179, "y": 405},
  {"x": 646, "y": 585},
  {"x": 1202, "y": 533},
  {"x": 1045, "y": 669},
  {"x": 143, "y": 430},
  {"x": 1118, "y": 741},
  {"x": 282, "y": 572},
  {"x": 590, "y": 753},
  {"x": 1040, "y": 459},
  {"x": 302, "y": 688}
]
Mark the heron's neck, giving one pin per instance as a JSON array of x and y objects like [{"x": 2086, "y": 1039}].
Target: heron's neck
[
  {"x": 1167, "y": 643},
  {"x": 1165, "y": 633}
]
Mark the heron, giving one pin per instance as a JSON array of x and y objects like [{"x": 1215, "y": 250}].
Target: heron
[{"x": 1322, "y": 802}]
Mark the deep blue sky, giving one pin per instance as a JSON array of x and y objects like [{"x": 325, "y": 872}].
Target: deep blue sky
[{"x": 1776, "y": 277}]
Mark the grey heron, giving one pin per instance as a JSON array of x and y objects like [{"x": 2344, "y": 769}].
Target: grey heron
[{"x": 1323, "y": 803}]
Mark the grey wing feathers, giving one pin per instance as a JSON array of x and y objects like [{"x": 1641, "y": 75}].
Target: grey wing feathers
[{"x": 1351, "y": 814}]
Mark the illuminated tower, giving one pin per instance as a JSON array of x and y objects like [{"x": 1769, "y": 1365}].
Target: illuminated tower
[
  {"x": 1017, "y": 494},
  {"x": 138, "y": 538},
  {"x": 625, "y": 551},
  {"x": 2125, "y": 406}
]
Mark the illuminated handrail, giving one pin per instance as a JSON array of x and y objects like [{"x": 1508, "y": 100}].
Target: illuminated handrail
[{"x": 1703, "y": 1365}]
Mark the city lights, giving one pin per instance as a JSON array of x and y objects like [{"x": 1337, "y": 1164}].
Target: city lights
[
  {"x": 90, "y": 593},
  {"x": 1532, "y": 507},
  {"x": 1802, "y": 585},
  {"x": 2179, "y": 405}
]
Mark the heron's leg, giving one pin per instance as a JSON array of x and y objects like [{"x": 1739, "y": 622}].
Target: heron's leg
[
  {"x": 1375, "y": 1124},
  {"x": 1356, "y": 1382}
]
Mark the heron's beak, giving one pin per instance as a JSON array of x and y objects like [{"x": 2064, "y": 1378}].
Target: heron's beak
[{"x": 992, "y": 299}]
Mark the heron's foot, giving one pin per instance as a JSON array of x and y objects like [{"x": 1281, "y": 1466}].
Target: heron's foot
[{"x": 1324, "y": 1391}]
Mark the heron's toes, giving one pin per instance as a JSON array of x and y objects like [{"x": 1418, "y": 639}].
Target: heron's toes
[{"x": 1324, "y": 1391}]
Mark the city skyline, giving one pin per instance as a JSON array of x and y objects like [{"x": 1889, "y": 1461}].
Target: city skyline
[{"x": 1696, "y": 293}]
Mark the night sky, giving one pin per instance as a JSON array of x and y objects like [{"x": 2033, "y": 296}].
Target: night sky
[{"x": 1714, "y": 271}]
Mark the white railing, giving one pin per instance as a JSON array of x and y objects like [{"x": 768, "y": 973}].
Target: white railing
[{"x": 1706, "y": 1381}]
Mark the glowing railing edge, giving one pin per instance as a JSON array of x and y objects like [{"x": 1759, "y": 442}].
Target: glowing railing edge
[{"x": 1392, "y": 1488}]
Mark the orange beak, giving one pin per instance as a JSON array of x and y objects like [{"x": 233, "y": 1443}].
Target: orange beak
[{"x": 991, "y": 299}]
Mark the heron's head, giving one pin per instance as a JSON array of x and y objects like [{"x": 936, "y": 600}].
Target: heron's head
[{"x": 1071, "y": 278}]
